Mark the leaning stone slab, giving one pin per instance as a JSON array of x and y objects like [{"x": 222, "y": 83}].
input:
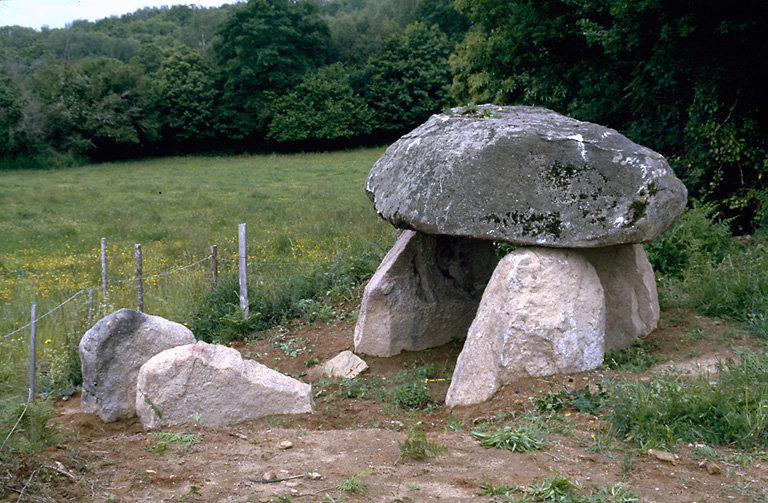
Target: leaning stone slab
[
  {"x": 542, "y": 313},
  {"x": 527, "y": 176},
  {"x": 631, "y": 300},
  {"x": 424, "y": 293},
  {"x": 212, "y": 385},
  {"x": 112, "y": 352},
  {"x": 346, "y": 365}
]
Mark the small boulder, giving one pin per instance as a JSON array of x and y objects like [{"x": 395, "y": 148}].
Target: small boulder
[
  {"x": 112, "y": 352},
  {"x": 212, "y": 385},
  {"x": 424, "y": 293},
  {"x": 631, "y": 300},
  {"x": 542, "y": 313},
  {"x": 346, "y": 365},
  {"x": 527, "y": 176}
]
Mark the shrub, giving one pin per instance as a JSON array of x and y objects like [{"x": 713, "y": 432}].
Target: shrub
[
  {"x": 25, "y": 428},
  {"x": 697, "y": 237}
]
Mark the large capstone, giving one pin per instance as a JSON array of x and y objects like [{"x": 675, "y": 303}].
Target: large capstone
[
  {"x": 424, "y": 293},
  {"x": 112, "y": 352},
  {"x": 542, "y": 313},
  {"x": 527, "y": 176}
]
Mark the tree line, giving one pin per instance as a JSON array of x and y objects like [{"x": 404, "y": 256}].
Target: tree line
[{"x": 683, "y": 77}]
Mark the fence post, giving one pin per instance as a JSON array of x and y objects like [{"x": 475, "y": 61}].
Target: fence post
[
  {"x": 214, "y": 264},
  {"x": 90, "y": 307},
  {"x": 32, "y": 353},
  {"x": 243, "y": 270},
  {"x": 104, "y": 266},
  {"x": 139, "y": 285}
]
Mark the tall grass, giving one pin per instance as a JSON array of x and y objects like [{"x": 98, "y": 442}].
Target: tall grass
[
  {"x": 699, "y": 265},
  {"x": 307, "y": 216}
]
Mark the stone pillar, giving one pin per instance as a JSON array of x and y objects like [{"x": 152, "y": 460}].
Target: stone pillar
[{"x": 424, "y": 293}]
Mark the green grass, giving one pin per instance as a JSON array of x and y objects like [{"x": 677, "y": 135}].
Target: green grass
[
  {"x": 674, "y": 407},
  {"x": 309, "y": 224}
]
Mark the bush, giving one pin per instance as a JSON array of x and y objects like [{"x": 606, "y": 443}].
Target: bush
[{"x": 696, "y": 237}]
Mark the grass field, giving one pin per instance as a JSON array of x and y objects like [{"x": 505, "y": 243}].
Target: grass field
[{"x": 303, "y": 208}]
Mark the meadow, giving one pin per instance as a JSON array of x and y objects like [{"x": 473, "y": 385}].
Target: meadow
[{"x": 304, "y": 212}]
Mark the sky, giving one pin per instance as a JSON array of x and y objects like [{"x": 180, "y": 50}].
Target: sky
[{"x": 57, "y": 13}]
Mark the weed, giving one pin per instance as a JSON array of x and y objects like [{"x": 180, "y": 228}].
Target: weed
[
  {"x": 311, "y": 310},
  {"x": 636, "y": 358},
  {"x": 416, "y": 445},
  {"x": 521, "y": 439},
  {"x": 552, "y": 402},
  {"x": 364, "y": 388},
  {"x": 704, "y": 452},
  {"x": 354, "y": 483},
  {"x": 411, "y": 395},
  {"x": 613, "y": 494},
  {"x": 487, "y": 488},
  {"x": 26, "y": 428},
  {"x": 454, "y": 424},
  {"x": 553, "y": 488},
  {"x": 164, "y": 439},
  {"x": 586, "y": 401},
  {"x": 626, "y": 464}
]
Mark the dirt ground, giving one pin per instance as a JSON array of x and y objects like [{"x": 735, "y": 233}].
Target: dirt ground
[{"x": 358, "y": 441}]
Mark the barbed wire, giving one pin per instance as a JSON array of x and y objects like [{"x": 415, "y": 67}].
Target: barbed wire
[{"x": 79, "y": 292}]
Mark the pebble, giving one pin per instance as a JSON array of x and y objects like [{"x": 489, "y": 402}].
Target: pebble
[
  {"x": 665, "y": 456},
  {"x": 285, "y": 444}
]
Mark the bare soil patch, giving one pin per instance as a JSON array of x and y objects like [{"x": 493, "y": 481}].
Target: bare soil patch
[{"x": 352, "y": 436}]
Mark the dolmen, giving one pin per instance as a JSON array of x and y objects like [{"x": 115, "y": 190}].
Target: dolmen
[{"x": 572, "y": 200}]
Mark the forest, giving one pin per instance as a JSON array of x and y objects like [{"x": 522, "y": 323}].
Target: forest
[{"x": 685, "y": 78}]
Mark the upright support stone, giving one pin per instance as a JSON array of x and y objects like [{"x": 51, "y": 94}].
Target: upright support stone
[
  {"x": 631, "y": 300},
  {"x": 424, "y": 293},
  {"x": 542, "y": 313}
]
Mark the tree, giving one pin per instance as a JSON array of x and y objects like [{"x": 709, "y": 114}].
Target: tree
[
  {"x": 265, "y": 45},
  {"x": 186, "y": 83},
  {"x": 10, "y": 116},
  {"x": 321, "y": 107},
  {"x": 410, "y": 80},
  {"x": 98, "y": 106}
]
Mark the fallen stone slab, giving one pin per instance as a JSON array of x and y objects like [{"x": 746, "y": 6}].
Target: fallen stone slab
[
  {"x": 528, "y": 176},
  {"x": 112, "y": 352},
  {"x": 542, "y": 313},
  {"x": 631, "y": 299},
  {"x": 346, "y": 365},
  {"x": 424, "y": 293},
  {"x": 212, "y": 385}
]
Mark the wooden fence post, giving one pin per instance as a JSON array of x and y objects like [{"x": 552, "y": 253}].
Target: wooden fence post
[
  {"x": 104, "y": 266},
  {"x": 242, "y": 256},
  {"x": 139, "y": 285},
  {"x": 90, "y": 308},
  {"x": 32, "y": 353},
  {"x": 214, "y": 264}
]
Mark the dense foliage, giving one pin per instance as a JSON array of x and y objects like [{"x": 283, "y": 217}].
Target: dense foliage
[{"x": 683, "y": 78}]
